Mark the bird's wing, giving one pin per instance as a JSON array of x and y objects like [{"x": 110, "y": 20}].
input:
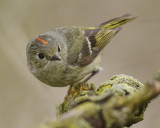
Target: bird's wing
[
  {"x": 95, "y": 40},
  {"x": 89, "y": 42}
]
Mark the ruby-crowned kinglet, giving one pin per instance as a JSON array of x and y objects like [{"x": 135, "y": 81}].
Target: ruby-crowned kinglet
[{"x": 67, "y": 55}]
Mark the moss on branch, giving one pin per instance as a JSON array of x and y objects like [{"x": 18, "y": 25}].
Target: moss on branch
[{"x": 117, "y": 103}]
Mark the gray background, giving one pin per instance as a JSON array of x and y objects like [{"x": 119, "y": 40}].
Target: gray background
[{"x": 25, "y": 101}]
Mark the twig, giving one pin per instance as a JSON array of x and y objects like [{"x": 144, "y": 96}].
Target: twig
[{"x": 119, "y": 102}]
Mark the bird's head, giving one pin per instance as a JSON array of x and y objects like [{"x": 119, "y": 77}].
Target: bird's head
[{"x": 44, "y": 52}]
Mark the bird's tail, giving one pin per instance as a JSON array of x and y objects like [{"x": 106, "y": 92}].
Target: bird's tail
[{"x": 116, "y": 22}]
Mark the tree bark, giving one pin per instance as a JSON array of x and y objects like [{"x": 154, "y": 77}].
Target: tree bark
[{"x": 117, "y": 103}]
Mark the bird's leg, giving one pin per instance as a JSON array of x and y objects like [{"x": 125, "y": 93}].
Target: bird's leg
[
  {"x": 87, "y": 78},
  {"x": 70, "y": 93},
  {"x": 90, "y": 76},
  {"x": 69, "y": 90}
]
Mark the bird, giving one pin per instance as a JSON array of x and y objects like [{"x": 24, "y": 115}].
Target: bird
[{"x": 71, "y": 55}]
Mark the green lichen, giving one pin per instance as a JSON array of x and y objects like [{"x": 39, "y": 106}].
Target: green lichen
[
  {"x": 118, "y": 103},
  {"x": 121, "y": 84},
  {"x": 117, "y": 85},
  {"x": 157, "y": 75},
  {"x": 74, "y": 98}
]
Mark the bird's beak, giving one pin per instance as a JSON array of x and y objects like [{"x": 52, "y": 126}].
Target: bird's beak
[{"x": 55, "y": 57}]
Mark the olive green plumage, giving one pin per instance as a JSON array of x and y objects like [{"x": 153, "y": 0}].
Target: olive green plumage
[{"x": 67, "y": 55}]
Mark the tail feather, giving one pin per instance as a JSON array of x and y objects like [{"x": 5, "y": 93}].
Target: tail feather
[
  {"x": 96, "y": 38},
  {"x": 116, "y": 22}
]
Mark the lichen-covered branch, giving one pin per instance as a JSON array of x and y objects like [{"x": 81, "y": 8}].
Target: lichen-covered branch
[{"x": 118, "y": 102}]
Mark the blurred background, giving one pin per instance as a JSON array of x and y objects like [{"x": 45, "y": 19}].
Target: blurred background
[{"x": 25, "y": 101}]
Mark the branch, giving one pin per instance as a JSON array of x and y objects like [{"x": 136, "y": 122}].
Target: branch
[{"x": 118, "y": 102}]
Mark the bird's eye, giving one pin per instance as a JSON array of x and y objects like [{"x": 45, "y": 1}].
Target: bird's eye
[
  {"x": 41, "y": 55},
  {"x": 59, "y": 49}
]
